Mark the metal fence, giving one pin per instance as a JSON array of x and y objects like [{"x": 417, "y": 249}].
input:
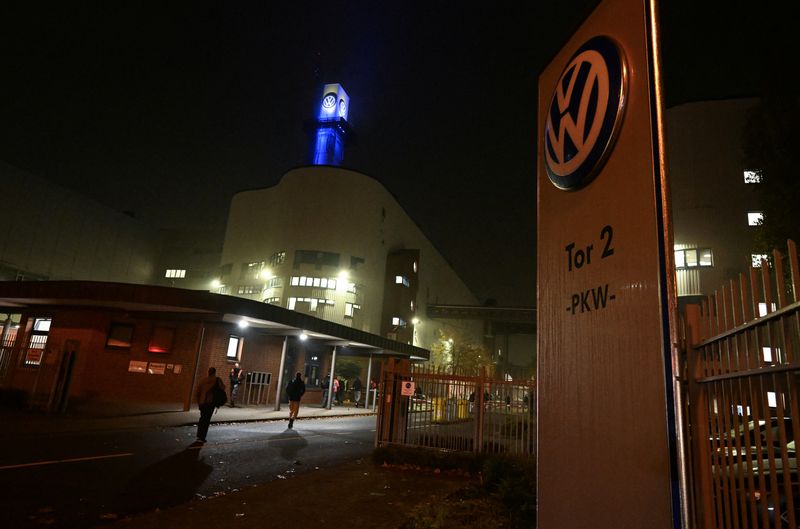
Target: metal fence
[
  {"x": 742, "y": 369},
  {"x": 462, "y": 412}
]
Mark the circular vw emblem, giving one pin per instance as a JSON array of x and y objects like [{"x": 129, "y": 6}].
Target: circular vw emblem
[
  {"x": 342, "y": 107},
  {"x": 585, "y": 113},
  {"x": 329, "y": 101}
]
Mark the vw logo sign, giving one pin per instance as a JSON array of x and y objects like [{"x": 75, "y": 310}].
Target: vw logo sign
[
  {"x": 329, "y": 101},
  {"x": 585, "y": 113},
  {"x": 342, "y": 107}
]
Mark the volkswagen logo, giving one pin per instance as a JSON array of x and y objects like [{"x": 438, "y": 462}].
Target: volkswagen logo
[
  {"x": 585, "y": 113},
  {"x": 329, "y": 101}
]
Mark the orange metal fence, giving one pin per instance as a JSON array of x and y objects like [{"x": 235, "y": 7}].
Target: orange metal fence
[
  {"x": 457, "y": 411},
  {"x": 742, "y": 370}
]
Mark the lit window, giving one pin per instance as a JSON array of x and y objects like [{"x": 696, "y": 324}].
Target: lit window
[
  {"x": 273, "y": 301},
  {"x": 161, "y": 340},
  {"x": 248, "y": 289},
  {"x": 291, "y": 303},
  {"x": 234, "y": 346},
  {"x": 295, "y": 281},
  {"x": 323, "y": 282},
  {"x": 313, "y": 306},
  {"x": 401, "y": 280},
  {"x": 762, "y": 308},
  {"x": 316, "y": 282},
  {"x": 757, "y": 258},
  {"x": 350, "y": 309},
  {"x": 275, "y": 282},
  {"x": 351, "y": 287},
  {"x": 752, "y": 177},
  {"x": 755, "y": 218},
  {"x": 398, "y": 322},
  {"x": 37, "y": 341},
  {"x": 694, "y": 257},
  {"x": 175, "y": 273}
]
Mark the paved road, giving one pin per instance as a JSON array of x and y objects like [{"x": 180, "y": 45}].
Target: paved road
[{"x": 80, "y": 479}]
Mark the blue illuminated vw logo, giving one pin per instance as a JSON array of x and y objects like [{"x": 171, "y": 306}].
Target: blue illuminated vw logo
[
  {"x": 585, "y": 113},
  {"x": 342, "y": 107},
  {"x": 329, "y": 101}
]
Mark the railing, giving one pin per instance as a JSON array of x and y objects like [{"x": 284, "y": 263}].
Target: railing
[
  {"x": 461, "y": 412},
  {"x": 743, "y": 368}
]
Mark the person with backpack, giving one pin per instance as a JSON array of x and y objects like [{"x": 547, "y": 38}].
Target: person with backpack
[
  {"x": 204, "y": 396},
  {"x": 295, "y": 391}
]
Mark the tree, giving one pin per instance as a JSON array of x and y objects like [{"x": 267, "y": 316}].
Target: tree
[{"x": 456, "y": 352}]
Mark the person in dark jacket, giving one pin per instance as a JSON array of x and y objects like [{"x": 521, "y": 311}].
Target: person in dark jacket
[
  {"x": 205, "y": 401},
  {"x": 295, "y": 390},
  {"x": 357, "y": 390}
]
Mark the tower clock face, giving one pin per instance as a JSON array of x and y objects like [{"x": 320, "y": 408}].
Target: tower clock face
[{"x": 329, "y": 101}]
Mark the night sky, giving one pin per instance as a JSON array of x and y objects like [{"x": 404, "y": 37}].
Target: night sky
[{"x": 166, "y": 110}]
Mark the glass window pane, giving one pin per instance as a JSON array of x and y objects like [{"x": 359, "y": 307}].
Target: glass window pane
[
  {"x": 691, "y": 257},
  {"x": 680, "y": 260},
  {"x": 706, "y": 257}
]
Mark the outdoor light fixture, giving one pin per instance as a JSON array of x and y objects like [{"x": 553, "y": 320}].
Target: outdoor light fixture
[
  {"x": 215, "y": 283},
  {"x": 243, "y": 324},
  {"x": 303, "y": 337},
  {"x": 266, "y": 274},
  {"x": 415, "y": 321}
]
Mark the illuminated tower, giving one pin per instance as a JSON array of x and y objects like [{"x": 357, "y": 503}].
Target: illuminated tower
[{"x": 332, "y": 128}]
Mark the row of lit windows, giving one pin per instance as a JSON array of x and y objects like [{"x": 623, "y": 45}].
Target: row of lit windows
[
  {"x": 175, "y": 273},
  {"x": 319, "y": 282},
  {"x": 273, "y": 301},
  {"x": 249, "y": 289},
  {"x": 694, "y": 257},
  {"x": 313, "y": 303}
]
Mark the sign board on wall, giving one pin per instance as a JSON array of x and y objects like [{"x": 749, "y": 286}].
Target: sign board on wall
[{"x": 604, "y": 386}]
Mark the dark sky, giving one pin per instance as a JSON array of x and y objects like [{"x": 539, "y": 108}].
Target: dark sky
[{"x": 167, "y": 109}]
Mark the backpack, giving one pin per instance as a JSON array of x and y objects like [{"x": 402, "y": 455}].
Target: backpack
[{"x": 218, "y": 395}]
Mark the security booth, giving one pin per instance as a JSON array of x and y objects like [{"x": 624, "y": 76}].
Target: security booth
[{"x": 112, "y": 348}]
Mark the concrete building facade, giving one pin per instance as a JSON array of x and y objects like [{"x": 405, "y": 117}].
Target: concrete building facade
[{"x": 335, "y": 243}]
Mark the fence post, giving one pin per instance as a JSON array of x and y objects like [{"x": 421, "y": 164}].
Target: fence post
[
  {"x": 702, "y": 497},
  {"x": 479, "y": 400}
]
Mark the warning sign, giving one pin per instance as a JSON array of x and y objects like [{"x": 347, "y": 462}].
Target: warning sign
[{"x": 408, "y": 389}]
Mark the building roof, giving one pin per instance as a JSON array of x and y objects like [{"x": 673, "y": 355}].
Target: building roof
[{"x": 270, "y": 319}]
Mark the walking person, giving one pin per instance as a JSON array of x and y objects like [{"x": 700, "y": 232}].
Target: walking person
[
  {"x": 204, "y": 396},
  {"x": 357, "y": 390},
  {"x": 236, "y": 377},
  {"x": 295, "y": 390}
]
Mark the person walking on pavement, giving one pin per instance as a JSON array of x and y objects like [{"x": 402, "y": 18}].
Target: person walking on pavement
[
  {"x": 204, "y": 396},
  {"x": 295, "y": 391},
  {"x": 357, "y": 390},
  {"x": 236, "y": 376}
]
